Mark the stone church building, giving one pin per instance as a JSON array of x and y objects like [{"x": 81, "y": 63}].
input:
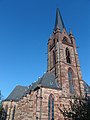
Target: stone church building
[{"x": 62, "y": 81}]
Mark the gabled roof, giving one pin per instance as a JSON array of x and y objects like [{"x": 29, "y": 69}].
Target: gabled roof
[
  {"x": 17, "y": 93},
  {"x": 47, "y": 80}
]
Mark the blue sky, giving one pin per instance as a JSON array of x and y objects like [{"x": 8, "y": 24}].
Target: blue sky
[{"x": 25, "y": 27}]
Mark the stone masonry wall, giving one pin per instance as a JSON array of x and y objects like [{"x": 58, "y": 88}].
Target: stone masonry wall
[
  {"x": 10, "y": 107},
  {"x": 35, "y": 105}
]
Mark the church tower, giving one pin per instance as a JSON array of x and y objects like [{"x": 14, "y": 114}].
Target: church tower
[
  {"x": 63, "y": 58},
  {"x": 61, "y": 83}
]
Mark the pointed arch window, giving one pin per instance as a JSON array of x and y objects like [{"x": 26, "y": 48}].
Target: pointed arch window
[
  {"x": 65, "y": 40},
  {"x": 51, "y": 107},
  {"x": 71, "y": 41},
  {"x": 54, "y": 41},
  {"x": 54, "y": 58},
  {"x": 70, "y": 78},
  {"x": 68, "y": 59}
]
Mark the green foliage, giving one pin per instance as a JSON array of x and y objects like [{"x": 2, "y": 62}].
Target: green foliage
[
  {"x": 1, "y": 109},
  {"x": 3, "y": 113},
  {"x": 79, "y": 110}
]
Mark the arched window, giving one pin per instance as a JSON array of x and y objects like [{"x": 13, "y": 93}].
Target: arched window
[
  {"x": 51, "y": 107},
  {"x": 70, "y": 78},
  {"x": 71, "y": 41},
  {"x": 65, "y": 40},
  {"x": 54, "y": 41},
  {"x": 68, "y": 59},
  {"x": 54, "y": 58}
]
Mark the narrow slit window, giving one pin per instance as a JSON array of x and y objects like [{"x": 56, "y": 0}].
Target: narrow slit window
[
  {"x": 68, "y": 59},
  {"x": 70, "y": 78},
  {"x": 54, "y": 58}
]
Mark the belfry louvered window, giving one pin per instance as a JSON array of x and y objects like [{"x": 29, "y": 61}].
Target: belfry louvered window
[
  {"x": 65, "y": 40},
  {"x": 54, "y": 58},
  {"x": 68, "y": 59},
  {"x": 51, "y": 107},
  {"x": 70, "y": 78}
]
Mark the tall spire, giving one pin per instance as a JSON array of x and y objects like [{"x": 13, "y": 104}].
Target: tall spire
[{"x": 59, "y": 22}]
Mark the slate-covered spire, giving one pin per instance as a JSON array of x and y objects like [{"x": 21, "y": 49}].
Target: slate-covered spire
[{"x": 59, "y": 22}]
